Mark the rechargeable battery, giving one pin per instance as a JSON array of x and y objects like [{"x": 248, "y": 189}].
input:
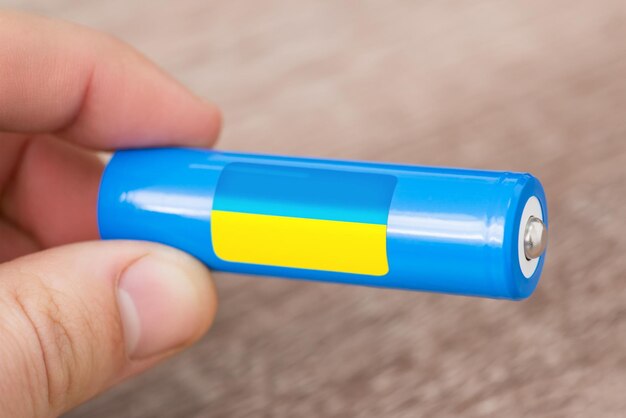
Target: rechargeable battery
[{"x": 447, "y": 230}]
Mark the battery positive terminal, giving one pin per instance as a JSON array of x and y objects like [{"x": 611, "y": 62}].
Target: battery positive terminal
[{"x": 535, "y": 238}]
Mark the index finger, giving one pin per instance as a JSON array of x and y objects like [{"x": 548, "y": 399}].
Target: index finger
[{"x": 92, "y": 89}]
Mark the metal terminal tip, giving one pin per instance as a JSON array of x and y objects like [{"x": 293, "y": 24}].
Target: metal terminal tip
[{"x": 535, "y": 238}]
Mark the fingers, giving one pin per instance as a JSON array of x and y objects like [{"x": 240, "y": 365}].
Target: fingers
[
  {"x": 92, "y": 89},
  {"x": 75, "y": 320},
  {"x": 53, "y": 193},
  {"x": 14, "y": 242}
]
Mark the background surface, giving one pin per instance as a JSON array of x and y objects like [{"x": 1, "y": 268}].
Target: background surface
[{"x": 530, "y": 86}]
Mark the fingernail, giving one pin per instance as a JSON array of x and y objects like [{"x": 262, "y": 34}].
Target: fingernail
[{"x": 159, "y": 305}]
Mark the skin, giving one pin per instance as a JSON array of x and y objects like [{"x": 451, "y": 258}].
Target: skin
[{"x": 66, "y": 93}]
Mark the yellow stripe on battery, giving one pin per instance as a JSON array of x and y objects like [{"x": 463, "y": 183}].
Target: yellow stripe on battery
[{"x": 318, "y": 244}]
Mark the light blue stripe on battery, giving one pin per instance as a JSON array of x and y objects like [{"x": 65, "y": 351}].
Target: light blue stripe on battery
[{"x": 305, "y": 193}]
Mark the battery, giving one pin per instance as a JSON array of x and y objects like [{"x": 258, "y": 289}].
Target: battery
[{"x": 446, "y": 230}]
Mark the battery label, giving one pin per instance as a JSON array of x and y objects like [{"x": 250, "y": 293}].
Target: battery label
[{"x": 303, "y": 218}]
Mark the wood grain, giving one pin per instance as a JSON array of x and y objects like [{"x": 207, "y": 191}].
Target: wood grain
[{"x": 530, "y": 86}]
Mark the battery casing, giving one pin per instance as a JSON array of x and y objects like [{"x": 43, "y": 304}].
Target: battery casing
[{"x": 445, "y": 230}]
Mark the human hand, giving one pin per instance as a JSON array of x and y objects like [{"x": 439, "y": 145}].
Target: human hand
[{"x": 76, "y": 319}]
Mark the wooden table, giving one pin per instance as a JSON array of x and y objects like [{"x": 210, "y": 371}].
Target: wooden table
[{"x": 530, "y": 86}]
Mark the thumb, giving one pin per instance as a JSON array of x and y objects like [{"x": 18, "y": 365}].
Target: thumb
[{"x": 75, "y": 320}]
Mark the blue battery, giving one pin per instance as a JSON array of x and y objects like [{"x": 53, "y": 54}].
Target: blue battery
[{"x": 447, "y": 230}]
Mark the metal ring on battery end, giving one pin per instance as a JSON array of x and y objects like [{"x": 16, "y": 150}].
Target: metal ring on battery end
[{"x": 532, "y": 237}]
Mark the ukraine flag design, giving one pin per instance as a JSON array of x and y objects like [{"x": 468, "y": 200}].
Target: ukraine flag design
[{"x": 303, "y": 218}]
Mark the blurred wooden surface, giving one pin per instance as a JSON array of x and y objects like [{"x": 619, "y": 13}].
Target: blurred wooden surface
[{"x": 531, "y": 86}]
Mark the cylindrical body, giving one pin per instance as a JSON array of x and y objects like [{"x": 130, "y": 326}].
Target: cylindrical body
[{"x": 420, "y": 228}]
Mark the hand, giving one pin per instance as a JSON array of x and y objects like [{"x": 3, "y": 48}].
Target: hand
[{"x": 76, "y": 319}]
